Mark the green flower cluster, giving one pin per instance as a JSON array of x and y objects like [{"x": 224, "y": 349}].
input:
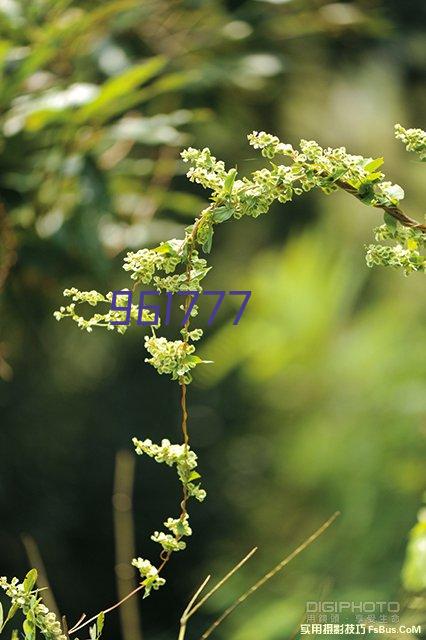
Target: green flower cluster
[
  {"x": 176, "y": 266},
  {"x": 231, "y": 197},
  {"x": 310, "y": 167},
  {"x": 98, "y": 319},
  {"x": 143, "y": 264},
  {"x": 173, "y": 357},
  {"x": 167, "y": 541},
  {"x": 414, "y": 140},
  {"x": 306, "y": 168},
  {"x": 148, "y": 266},
  {"x": 408, "y": 253},
  {"x": 190, "y": 279},
  {"x": 205, "y": 169},
  {"x": 37, "y": 615},
  {"x": 179, "y": 528},
  {"x": 179, "y": 455},
  {"x": 185, "y": 461},
  {"x": 149, "y": 574}
]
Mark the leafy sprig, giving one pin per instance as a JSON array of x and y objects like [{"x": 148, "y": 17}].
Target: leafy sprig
[
  {"x": 176, "y": 265},
  {"x": 25, "y": 598}
]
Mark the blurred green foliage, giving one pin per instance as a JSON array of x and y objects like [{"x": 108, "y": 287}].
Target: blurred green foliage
[
  {"x": 316, "y": 400},
  {"x": 334, "y": 398},
  {"x": 414, "y": 570}
]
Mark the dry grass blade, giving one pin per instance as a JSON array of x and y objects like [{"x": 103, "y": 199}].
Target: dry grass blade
[
  {"x": 221, "y": 582},
  {"x": 190, "y": 609},
  {"x": 270, "y": 574},
  {"x": 186, "y": 614}
]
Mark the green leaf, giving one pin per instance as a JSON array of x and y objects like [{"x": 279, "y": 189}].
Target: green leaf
[
  {"x": 169, "y": 82},
  {"x": 107, "y": 103},
  {"x": 336, "y": 174},
  {"x": 171, "y": 247},
  {"x": 180, "y": 527},
  {"x": 193, "y": 359},
  {"x": 229, "y": 181},
  {"x": 147, "y": 583},
  {"x": 92, "y": 632},
  {"x": 374, "y": 164},
  {"x": 366, "y": 193},
  {"x": 29, "y": 630},
  {"x": 207, "y": 245},
  {"x": 162, "y": 248},
  {"x": 199, "y": 273},
  {"x": 194, "y": 475},
  {"x": 100, "y": 622},
  {"x": 13, "y": 609},
  {"x": 389, "y": 220},
  {"x": 373, "y": 177},
  {"x": 30, "y": 580},
  {"x": 222, "y": 213},
  {"x": 197, "y": 360}
]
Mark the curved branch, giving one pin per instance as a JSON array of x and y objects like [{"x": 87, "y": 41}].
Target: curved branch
[{"x": 393, "y": 210}]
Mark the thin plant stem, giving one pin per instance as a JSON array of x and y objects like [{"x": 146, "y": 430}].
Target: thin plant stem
[
  {"x": 190, "y": 609},
  {"x": 187, "y": 613},
  {"x": 393, "y": 210},
  {"x": 185, "y": 616},
  {"x": 270, "y": 575},
  {"x": 222, "y": 581},
  {"x": 78, "y": 626}
]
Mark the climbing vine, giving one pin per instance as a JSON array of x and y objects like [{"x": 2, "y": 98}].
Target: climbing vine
[{"x": 177, "y": 265}]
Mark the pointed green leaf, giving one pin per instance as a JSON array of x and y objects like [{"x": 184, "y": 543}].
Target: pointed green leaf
[
  {"x": 207, "y": 245},
  {"x": 197, "y": 360},
  {"x": 389, "y": 220},
  {"x": 107, "y": 103},
  {"x": 100, "y": 622},
  {"x": 13, "y": 609},
  {"x": 172, "y": 247},
  {"x": 193, "y": 359},
  {"x": 372, "y": 177},
  {"x": 222, "y": 213},
  {"x": 374, "y": 164},
  {"x": 29, "y": 630},
  {"x": 30, "y": 580},
  {"x": 229, "y": 181}
]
